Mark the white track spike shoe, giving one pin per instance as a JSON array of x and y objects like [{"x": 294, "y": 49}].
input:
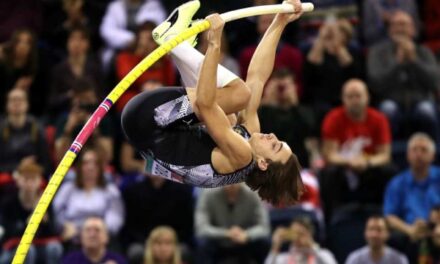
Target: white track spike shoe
[{"x": 178, "y": 21}]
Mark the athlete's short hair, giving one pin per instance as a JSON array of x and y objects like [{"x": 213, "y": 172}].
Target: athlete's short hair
[{"x": 281, "y": 183}]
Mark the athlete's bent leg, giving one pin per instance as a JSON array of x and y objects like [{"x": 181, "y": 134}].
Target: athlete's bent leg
[{"x": 232, "y": 98}]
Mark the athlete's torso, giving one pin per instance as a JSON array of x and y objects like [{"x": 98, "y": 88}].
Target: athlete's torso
[{"x": 183, "y": 154}]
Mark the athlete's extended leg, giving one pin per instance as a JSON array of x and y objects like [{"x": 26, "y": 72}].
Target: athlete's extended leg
[
  {"x": 189, "y": 60},
  {"x": 235, "y": 95}
]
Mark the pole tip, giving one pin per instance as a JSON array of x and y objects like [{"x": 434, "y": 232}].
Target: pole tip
[{"x": 307, "y": 7}]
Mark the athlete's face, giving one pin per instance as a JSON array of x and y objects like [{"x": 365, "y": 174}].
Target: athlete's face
[{"x": 268, "y": 146}]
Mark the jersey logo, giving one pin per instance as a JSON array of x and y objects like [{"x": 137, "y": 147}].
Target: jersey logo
[
  {"x": 188, "y": 123},
  {"x": 173, "y": 110}
]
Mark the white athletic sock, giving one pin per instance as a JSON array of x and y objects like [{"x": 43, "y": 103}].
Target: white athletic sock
[{"x": 188, "y": 61}]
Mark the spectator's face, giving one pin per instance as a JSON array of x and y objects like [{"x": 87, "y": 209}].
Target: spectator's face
[
  {"x": 29, "y": 182},
  {"x": 376, "y": 232},
  {"x": 401, "y": 25},
  {"x": 434, "y": 216},
  {"x": 17, "y": 102},
  {"x": 420, "y": 153},
  {"x": 94, "y": 234},
  {"x": 24, "y": 45},
  {"x": 288, "y": 92},
  {"x": 77, "y": 44},
  {"x": 301, "y": 237},
  {"x": 146, "y": 42},
  {"x": 436, "y": 236},
  {"x": 332, "y": 36},
  {"x": 90, "y": 168},
  {"x": 355, "y": 98},
  {"x": 163, "y": 247},
  {"x": 264, "y": 22}
]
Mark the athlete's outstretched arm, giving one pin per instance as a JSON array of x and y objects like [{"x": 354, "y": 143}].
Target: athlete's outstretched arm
[
  {"x": 262, "y": 63},
  {"x": 231, "y": 145}
]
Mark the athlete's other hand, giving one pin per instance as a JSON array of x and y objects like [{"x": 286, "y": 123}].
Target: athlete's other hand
[
  {"x": 289, "y": 17},
  {"x": 216, "y": 29}
]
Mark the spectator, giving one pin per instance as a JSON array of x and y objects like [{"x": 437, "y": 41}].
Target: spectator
[
  {"x": 84, "y": 102},
  {"x": 162, "y": 71},
  {"x": 242, "y": 32},
  {"x": 376, "y": 234},
  {"x": 330, "y": 62},
  {"x": 282, "y": 114},
  {"x": 434, "y": 216},
  {"x": 436, "y": 243},
  {"x": 19, "y": 69},
  {"x": 162, "y": 247},
  {"x": 121, "y": 19},
  {"x": 19, "y": 14},
  {"x": 431, "y": 25},
  {"x": 231, "y": 225},
  {"x": 131, "y": 161},
  {"x": 66, "y": 16},
  {"x": 153, "y": 202},
  {"x": 356, "y": 149},
  {"x": 309, "y": 205},
  {"x": 411, "y": 195},
  {"x": 377, "y": 14},
  {"x": 94, "y": 240},
  {"x": 303, "y": 249},
  {"x": 89, "y": 195},
  {"x": 404, "y": 77},
  {"x": 429, "y": 247},
  {"x": 325, "y": 11},
  {"x": 22, "y": 136},
  {"x": 287, "y": 56},
  {"x": 19, "y": 59},
  {"x": 79, "y": 64},
  {"x": 46, "y": 247}
]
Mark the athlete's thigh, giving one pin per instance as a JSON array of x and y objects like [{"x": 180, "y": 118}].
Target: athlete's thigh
[{"x": 232, "y": 98}]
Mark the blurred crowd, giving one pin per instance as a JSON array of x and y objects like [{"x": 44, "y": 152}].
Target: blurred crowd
[{"x": 354, "y": 92}]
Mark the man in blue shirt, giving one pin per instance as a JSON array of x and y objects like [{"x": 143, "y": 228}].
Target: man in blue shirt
[{"x": 410, "y": 196}]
